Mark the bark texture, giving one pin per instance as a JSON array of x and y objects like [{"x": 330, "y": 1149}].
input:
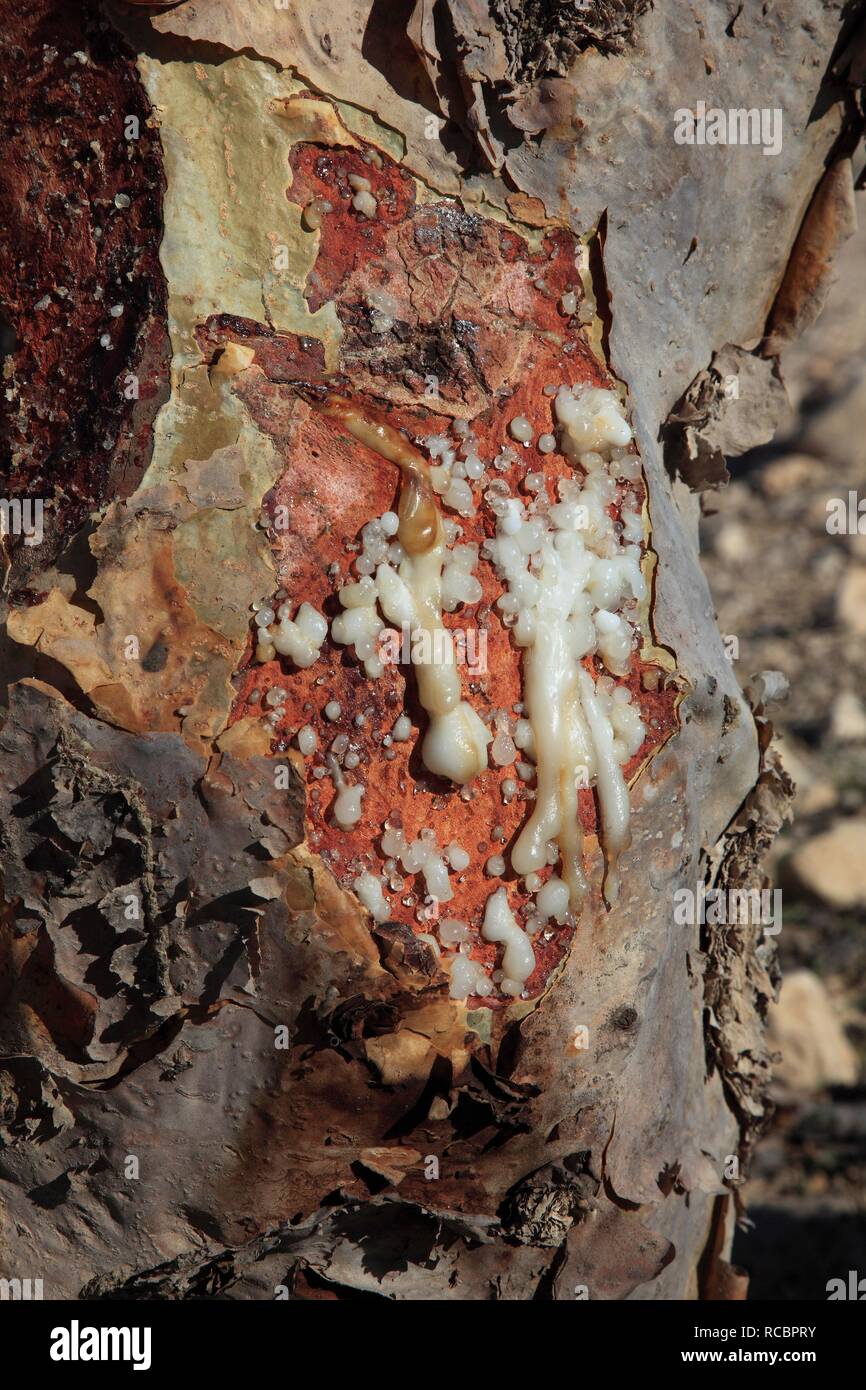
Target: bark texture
[{"x": 307, "y": 1109}]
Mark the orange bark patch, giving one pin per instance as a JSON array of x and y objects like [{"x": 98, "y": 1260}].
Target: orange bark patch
[{"x": 484, "y": 309}]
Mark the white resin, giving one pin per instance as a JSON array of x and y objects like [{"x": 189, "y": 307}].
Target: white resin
[
  {"x": 468, "y": 977},
  {"x": 500, "y": 925},
  {"x": 308, "y": 740},
  {"x": 300, "y": 638},
  {"x": 369, "y": 889},
  {"x": 568, "y": 577}
]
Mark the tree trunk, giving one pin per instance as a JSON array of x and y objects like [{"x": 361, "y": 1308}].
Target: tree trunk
[{"x": 225, "y": 1069}]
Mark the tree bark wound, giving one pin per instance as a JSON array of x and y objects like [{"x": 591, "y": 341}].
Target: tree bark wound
[{"x": 307, "y": 1109}]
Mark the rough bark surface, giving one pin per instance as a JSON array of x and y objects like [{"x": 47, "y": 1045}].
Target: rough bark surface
[{"x": 499, "y": 136}]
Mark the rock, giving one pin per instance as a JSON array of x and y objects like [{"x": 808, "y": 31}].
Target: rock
[
  {"x": 733, "y": 542},
  {"x": 851, "y": 601},
  {"x": 832, "y": 866},
  {"x": 814, "y": 792},
  {"x": 837, "y": 432},
  {"x": 847, "y": 718},
  {"x": 805, "y": 1028},
  {"x": 791, "y": 474}
]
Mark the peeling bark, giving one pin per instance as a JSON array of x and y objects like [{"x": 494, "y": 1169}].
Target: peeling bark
[{"x": 188, "y": 979}]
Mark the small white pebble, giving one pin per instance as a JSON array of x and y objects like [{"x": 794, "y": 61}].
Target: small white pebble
[
  {"x": 546, "y": 443},
  {"x": 333, "y": 709}
]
